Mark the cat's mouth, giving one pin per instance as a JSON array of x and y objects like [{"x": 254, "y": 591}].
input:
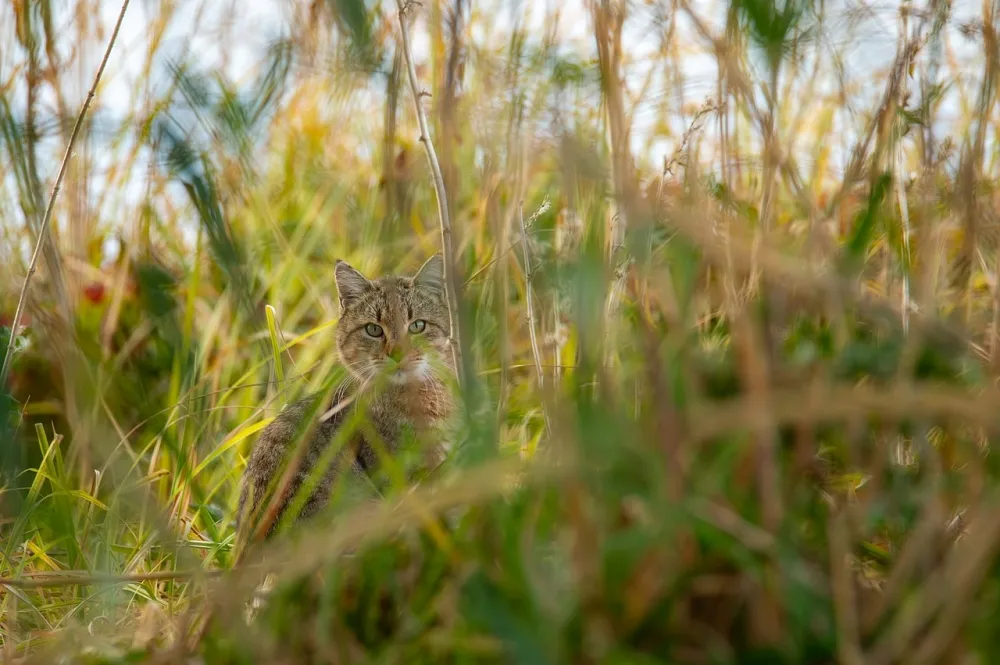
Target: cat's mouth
[{"x": 413, "y": 371}]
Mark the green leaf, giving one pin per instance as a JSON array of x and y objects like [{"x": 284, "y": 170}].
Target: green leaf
[
  {"x": 272, "y": 331},
  {"x": 771, "y": 23},
  {"x": 865, "y": 223},
  {"x": 487, "y": 608}
]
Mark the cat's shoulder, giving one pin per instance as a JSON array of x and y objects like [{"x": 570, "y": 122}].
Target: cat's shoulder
[{"x": 294, "y": 414}]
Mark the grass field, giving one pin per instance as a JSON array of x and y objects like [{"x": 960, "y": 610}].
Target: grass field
[{"x": 729, "y": 360}]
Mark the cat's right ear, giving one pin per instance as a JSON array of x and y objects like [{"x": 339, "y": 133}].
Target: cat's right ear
[{"x": 351, "y": 284}]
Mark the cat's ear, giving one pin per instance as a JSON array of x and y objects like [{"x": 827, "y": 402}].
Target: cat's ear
[
  {"x": 350, "y": 283},
  {"x": 431, "y": 274}
]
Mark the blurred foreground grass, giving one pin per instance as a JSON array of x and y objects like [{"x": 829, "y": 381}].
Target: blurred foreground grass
[{"x": 755, "y": 427}]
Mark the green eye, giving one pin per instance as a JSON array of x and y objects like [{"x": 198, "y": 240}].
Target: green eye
[
  {"x": 417, "y": 327},
  {"x": 373, "y": 330}
]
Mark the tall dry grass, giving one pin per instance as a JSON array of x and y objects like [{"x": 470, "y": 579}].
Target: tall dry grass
[{"x": 729, "y": 358}]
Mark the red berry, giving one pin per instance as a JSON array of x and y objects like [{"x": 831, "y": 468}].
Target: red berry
[{"x": 94, "y": 292}]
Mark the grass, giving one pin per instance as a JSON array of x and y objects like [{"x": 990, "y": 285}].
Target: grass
[{"x": 734, "y": 406}]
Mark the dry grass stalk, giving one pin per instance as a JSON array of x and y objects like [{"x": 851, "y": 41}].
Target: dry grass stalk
[
  {"x": 373, "y": 521},
  {"x": 536, "y": 352},
  {"x": 73, "y": 578},
  {"x": 945, "y": 594},
  {"x": 444, "y": 217},
  {"x": 677, "y": 416},
  {"x": 900, "y": 177},
  {"x": 609, "y": 18},
  {"x": 43, "y": 229}
]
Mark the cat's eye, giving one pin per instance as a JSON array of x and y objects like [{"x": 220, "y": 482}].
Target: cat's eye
[
  {"x": 373, "y": 330},
  {"x": 417, "y": 327}
]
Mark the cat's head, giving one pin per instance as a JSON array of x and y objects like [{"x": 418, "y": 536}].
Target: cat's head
[{"x": 393, "y": 324}]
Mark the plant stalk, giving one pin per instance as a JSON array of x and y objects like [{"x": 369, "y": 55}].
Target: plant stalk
[
  {"x": 43, "y": 230},
  {"x": 444, "y": 217}
]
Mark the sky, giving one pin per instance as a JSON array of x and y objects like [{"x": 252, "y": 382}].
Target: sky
[{"x": 233, "y": 36}]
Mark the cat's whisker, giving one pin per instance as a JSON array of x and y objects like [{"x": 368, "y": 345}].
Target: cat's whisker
[{"x": 431, "y": 370}]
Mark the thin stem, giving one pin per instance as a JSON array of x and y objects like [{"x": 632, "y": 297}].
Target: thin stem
[
  {"x": 530, "y": 301},
  {"x": 904, "y": 213},
  {"x": 43, "y": 230},
  {"x": 843, "y": 590},
  {"x": 608, "y": 22},
  {"x": 441, "y": 195},
  {"x": 82, "y": 579},
  {"x": 529, "y": 297}
]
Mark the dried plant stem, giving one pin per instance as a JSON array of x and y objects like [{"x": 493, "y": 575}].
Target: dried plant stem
[
  {"x": 904, "y": 212},
  {"x": 529, "y": 293},
  {"x": 608, "y": 18},
  {"x": 995, "y": 324},
  {"x": 54, "y": 580},
  {"x": 371, "y": 521},
  {"x": 741, "y": 87},
  {"x": 945, "y": 596},
  {"x": 444, "y": 217},
  {"x": 724, "y": 95},
  {"x": 971, "y": 166},
  {"x": 782, "y": 270},
  {"x": 921, "y": 541},
  {"x": 43, "y": 230},
  {"x": 557, "y": 342},
  {"x": 529, "y": 296}
]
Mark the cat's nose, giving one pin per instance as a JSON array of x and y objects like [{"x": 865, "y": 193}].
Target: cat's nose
[{"x": 398, "y": 350}]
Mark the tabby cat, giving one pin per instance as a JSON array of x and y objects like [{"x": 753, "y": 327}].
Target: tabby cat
[{"x": 393, "y": 338}]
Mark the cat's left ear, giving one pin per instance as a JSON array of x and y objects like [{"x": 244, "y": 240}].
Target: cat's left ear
[
  {"x": 351, "y": 284},
  {"x": 431, "y": 275}
]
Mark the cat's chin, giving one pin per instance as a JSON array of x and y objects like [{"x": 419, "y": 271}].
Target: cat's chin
[{"x": 402, "y": 378}]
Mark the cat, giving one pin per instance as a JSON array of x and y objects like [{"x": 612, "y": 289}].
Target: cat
[{"x": 393, "y": 338}]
